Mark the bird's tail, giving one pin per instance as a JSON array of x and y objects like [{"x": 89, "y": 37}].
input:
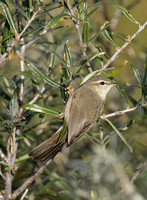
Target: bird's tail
[{"x": 49, "y": 148}]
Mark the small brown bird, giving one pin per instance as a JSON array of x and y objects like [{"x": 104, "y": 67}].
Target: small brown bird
[{"x": 81, "y": 111}]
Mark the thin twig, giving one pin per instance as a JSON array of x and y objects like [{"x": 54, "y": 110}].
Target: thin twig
[
  {"x": 30, "y": 180},
  {"x": 119, "y": 50},
  {"x": 139, "y": 171},
  {"x": 122, "y": 112},
  {"x": 37, "y": 96},
  {"x": 17, "y": 38},
  {"x": 24, "y": 194},
  {"x": 28, "y": 43},
  {"x": 78, "y": 29}
]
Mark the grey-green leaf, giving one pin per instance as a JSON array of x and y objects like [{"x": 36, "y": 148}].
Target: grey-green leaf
[
  {"x": 52, "y": 56},
  {"x": 138, "y": 77},
  {"x": 126, "y": 13},
  {"x": 40, "y": 109},
  {"x": 9, "y": 17},
  {"x": 68, "y": 56},
  {"x": 19, "y": 9},
  {"x": 14, "y": 105},
  {"x": 41, "y": 74}
]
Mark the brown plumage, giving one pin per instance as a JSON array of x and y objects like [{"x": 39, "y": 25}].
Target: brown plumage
[{"x": 81, "y": 111}]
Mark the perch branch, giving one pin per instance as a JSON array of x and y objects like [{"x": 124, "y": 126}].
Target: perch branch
[
  {"x": 122, "y": 112},
  {"x": 30, "y": 180}
]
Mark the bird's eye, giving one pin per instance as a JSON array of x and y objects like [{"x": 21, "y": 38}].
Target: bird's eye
[{"x": 102, "y": 83}]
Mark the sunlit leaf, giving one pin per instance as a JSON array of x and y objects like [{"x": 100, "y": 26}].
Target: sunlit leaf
[
  {"x": 68, "y": 56},
  {"x": 116, "y": 70},
  {"x": 52, "y": 56},
  {"x": 107, "y": 34},
  {"x": 57, "y": 19},
  {"x": 40, "y": 109},
  {"x": 9, "y": 17},
  {"x": 90, "y": 75},
  {"x": 126, "y": 13}
]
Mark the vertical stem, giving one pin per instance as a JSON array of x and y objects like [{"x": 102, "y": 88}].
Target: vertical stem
[
  {"x": 78, "y": 29},
  {"x": 12, "y": 145}
]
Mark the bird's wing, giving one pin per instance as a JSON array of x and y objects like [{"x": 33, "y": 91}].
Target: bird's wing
[{"x": 83, "y": 113}]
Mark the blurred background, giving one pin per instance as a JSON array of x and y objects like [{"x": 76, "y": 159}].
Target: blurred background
[{"x": 97, "y": 167}]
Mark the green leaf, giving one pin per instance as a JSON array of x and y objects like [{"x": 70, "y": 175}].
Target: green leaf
[
  {"x": 107, "y": 34},
  {"x": 145, "y": 73},
  {"x": 60, "y": 59},
  {"x": 120, "y": 135},
  {"x": 19, "y": 9},
  {"x": 108, "y": 37},
  {"x": 3, "y": 163},
  {"x": 58, "y": 19},
  {"x": 119, "y": 35},
  {"x": 40, "y": 109},
  {"x": 29, "y": 75},
  {"x": 126, "y": 13},
  {"x": 14, "y": 104},
  {"x": 68, "y": 56},
  {"x": 41, "y": 74},
  {"x": 22, "y": 158},
  {"x": 63, "y": 132},
  {"x": 94, "y": 73},
  {"x": 116, "y": 70},
  {"x": 91, "y": 13},
  {"x": 52, "y": 56},
  {"x": 138, "y": 77},
  {"x": 9, "y": 17},
  {"x": 23, "y": 136},
  {"x": 85, "y": 32}
]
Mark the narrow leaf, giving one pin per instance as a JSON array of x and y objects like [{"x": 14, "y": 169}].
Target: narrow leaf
[
  {"x": 19, "y": 9},
  {"x": 145, "y": 73},
  {"x": 57, "y": 55},
  {"x": 91, "y": 13},
  {"x": 41, "y": 74},
  {"x": 14, "y": 105},
  {"x": 116, "y": 70},
  {"x": 68, "y": 56},
  {"x": 85, "y": 32},
  {"x": 40, "y": 109},
  {"x": 9, "y": 17},
  {"x": 52, "y": 56},
  {"x": 107, "y": 34},
  {"x": 63, "y": 132},
  {"x": 119, "y": 35},
  {"x": 120, "y": 135},
  {"x": 58, "y": 19},
  {"x": 108, "y": 37},
  {"x": 126, "y": 13},
  {"x": 138, "y": 77},
  {"x": 90, "y": 75}
]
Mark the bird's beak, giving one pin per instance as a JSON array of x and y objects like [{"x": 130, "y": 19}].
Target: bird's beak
[{"x": 114, "y": 84}]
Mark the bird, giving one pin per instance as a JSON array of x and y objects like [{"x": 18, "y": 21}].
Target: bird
[{"x": 83, "y": 108}]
